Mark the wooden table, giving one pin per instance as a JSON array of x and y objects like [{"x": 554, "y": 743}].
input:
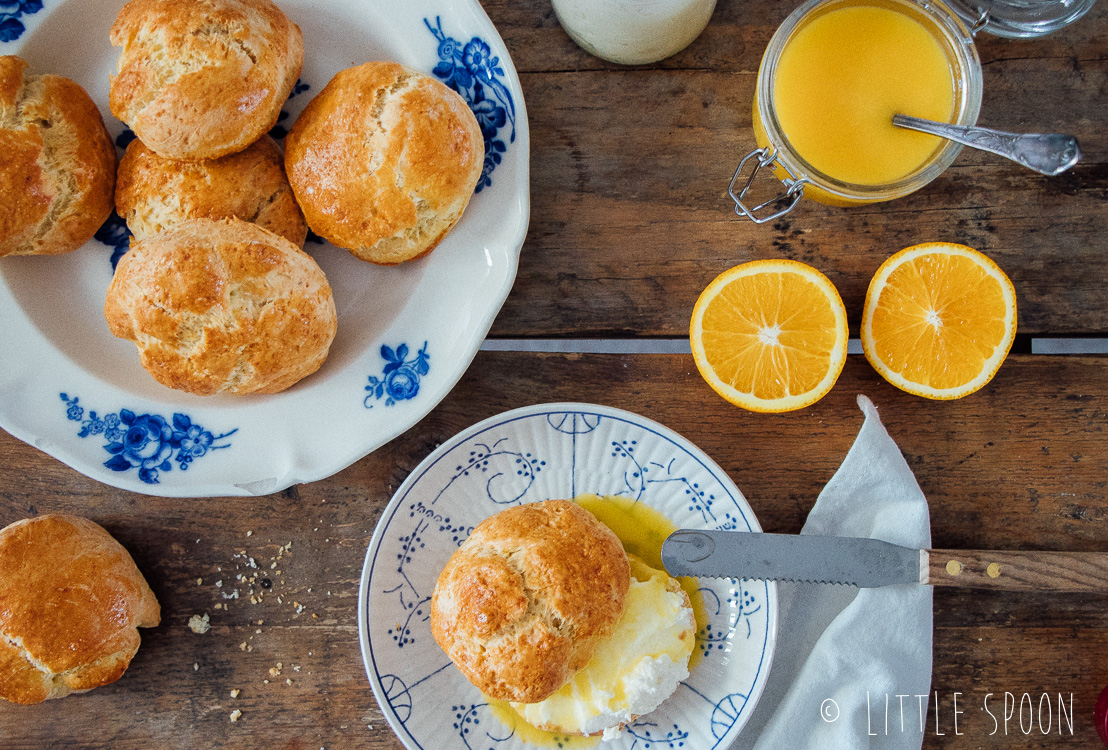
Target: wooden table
[{"x": 630, "y": 220}]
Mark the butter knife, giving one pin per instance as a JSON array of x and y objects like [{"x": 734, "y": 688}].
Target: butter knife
[{"x": 868, "y": 563}]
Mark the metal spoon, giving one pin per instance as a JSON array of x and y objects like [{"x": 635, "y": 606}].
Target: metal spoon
[{"x": 1048, "y": 153}]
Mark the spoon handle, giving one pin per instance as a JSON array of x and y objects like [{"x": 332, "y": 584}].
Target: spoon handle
[{"x": 1047, "y": 153}]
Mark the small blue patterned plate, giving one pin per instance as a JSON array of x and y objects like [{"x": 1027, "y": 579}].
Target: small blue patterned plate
[
  {"x": 532, "y": 454},
  {"x": 406, "y": 334}
]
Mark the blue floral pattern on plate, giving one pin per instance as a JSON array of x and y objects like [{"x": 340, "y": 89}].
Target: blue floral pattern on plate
[
  {"x": 279, "y": 130},
  {"x": 115, "y": 234},
  {"x": 11, "y": 28},
  {"x": 400, "y": 379},
  {"x": 147, "y": 442},
  {"x": 532, "y": 454},
  {"x": 523, "y": 465},
  {"x": 475, "y": 72}
]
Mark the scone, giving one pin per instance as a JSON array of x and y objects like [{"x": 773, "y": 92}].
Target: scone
[
  {"x": 153, "y": 192},
  {"x": 205, "y": 78},
  {"x": 222, "y": 306},
  {"x": 71, "y": 599},
  {"x": 522, "y": 604},
  {"x": 57, "y": 163},
  {"x": 383, "y": 161}
]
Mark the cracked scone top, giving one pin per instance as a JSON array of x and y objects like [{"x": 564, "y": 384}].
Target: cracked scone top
[
  {"x": 522, "y": 604},
  {"x": 204, "y": 78},
  {"x": 153, "y": 193},
  {"x": 383, "y": 161},
  {"x": 57, "y": 163},
  {"x": 71, "y": 599},
  {"x": 222, "y": 306}
]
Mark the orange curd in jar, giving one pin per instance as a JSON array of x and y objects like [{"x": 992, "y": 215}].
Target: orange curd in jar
[
  {"x": 843, "y": 76},
  {"x": 831, "y": 79}
]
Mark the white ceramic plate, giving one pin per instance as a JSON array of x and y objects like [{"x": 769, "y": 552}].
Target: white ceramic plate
[
  {"x": 406, "y": 334},
  {"x": 533, "y": 454}
]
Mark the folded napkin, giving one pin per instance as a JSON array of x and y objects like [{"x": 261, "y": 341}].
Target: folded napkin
[{"x": 842, "y": 652}]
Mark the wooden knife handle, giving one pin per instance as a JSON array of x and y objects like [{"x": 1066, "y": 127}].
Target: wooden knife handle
[{"x": 1019, "y": 571}]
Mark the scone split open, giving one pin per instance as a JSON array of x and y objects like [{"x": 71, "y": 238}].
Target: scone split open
[{"x": 489, "y": 613}]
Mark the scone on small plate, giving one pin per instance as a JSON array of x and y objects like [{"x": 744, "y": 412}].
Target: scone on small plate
[
  {"x": 57, "y": 163},
  {"x": 200, "y": 80},
  {"x": 383, "y": 161},
  {"x": 222, "y": 306},
  {"x": 71, "y": 599},
  {"x": 523, "y": 603},
  {"x": 541, "y": 607},
  {"x": 153, "y": 193}
]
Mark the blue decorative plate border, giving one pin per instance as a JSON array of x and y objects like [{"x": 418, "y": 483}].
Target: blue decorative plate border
[
  {"x": 476, "y": 74},
  {"x": 554, "y": 450},
  {"x": 147, "y": 442},
  {"x": 11, "y": 28},
  {"x": 399, "y": 380}
]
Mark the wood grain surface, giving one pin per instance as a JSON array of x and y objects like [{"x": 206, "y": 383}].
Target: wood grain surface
[
  {"x": 630, "y": 168},
  {"x": 1019, "y": 465},
  {"x": 629, "y": 221}
]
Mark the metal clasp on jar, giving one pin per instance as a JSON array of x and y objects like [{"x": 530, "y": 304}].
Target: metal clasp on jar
[{"x": 794, "y": 187}]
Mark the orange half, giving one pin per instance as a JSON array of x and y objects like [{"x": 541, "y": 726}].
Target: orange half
[
  {"x": 939, "y": 320},
  {"x": 770, "y": 335}
]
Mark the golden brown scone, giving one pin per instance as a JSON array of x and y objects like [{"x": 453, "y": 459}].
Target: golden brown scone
[
  {"x": 204, "y": 78},
  {"x": 222, "y": 306},
  {"x": 57, "y": 163},
  {"x": 521, "y": 604},
  {"x": 153, "y": 192},
  {"x": 71, "y": 599},
  {"x": 383, "y": 161}
]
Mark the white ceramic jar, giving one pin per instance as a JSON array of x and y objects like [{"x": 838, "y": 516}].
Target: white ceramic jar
[{"x": 633, "y": 32}]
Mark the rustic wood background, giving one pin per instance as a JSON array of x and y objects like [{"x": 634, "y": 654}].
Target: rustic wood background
[
  {"x": 630, "y": 220},
  {"x": 1020, "y": 465},
  {"x": 630, "y": 168}
]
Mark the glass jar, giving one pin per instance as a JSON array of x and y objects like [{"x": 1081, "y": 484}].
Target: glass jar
[
  {"x": 802, "y": 179},
  {"x": 1020, "y": 19}
]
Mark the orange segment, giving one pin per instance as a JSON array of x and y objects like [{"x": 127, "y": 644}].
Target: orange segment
[
  {"x": 939, "y": 320},
  {"x": 770, "y": 335}
]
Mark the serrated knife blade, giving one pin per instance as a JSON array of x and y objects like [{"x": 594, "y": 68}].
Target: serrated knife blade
[
  {"x": 871, "y": 562},
  {"x": 866, "y": 563}
]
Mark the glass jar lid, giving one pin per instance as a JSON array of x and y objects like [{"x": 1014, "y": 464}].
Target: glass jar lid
[{"x": 1019, "y": 18}]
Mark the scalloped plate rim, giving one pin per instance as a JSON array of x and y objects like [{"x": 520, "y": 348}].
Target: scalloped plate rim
[
  {"x": 62, "y": 442},
  {"x": 484, "y": 425}
]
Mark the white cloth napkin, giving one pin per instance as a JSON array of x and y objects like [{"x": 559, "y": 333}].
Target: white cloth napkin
[{"x": 842, "y": 652}]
